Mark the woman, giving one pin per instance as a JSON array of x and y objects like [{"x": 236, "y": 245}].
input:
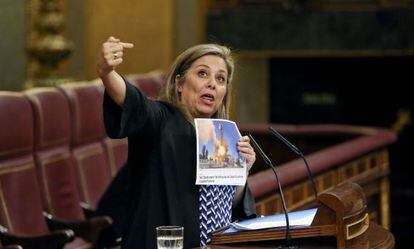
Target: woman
[{"x": 161, "y": 138}]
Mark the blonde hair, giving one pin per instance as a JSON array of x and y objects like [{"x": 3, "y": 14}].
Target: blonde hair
[{"x": 183, "y": 62}]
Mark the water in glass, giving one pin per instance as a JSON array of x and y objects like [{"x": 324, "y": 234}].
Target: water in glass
[
  {"x": 169, "y": 242},
  {"x": 170, "y": 237}
]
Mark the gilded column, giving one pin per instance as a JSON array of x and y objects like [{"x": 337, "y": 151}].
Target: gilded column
[{"x": 47, "y": 46}]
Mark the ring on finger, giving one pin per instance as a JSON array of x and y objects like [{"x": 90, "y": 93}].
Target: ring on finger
[{"x": 116, "y": 55}]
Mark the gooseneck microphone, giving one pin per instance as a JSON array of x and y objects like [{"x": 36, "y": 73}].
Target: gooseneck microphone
[
  {"x": 299, "y": 153},
  {"x": 270, "y": 164}
]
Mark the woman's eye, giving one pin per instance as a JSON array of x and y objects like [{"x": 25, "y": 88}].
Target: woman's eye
[
  {"x": 221, "y": 79},
  {"x": 202, "y": 73}
]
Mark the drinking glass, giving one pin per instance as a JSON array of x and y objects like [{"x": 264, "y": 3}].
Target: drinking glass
[{"x": 170, "y": 237}]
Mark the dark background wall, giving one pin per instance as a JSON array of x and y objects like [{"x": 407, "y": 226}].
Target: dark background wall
[
  {"x": 356, "y": 90},
  {"x": 12, "y": 47},
  {"x": 75, "y": 30},
  {"x": 273, "y": 29}
]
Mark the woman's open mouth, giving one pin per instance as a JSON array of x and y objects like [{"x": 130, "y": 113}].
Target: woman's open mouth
[{"x": 207, "y": 98}]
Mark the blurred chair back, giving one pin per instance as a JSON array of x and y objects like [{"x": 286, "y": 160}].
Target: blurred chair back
[
  {"x": 149, "y": 83},
  {"x": 56, "y": 173},
  {"x": 20, "y": 208},
  {"x": 87, "y": 134}
]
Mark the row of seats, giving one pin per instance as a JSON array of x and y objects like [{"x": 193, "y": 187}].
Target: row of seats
[{"x": 54, "y": 154}]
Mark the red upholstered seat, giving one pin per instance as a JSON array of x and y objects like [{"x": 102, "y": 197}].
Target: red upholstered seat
[
  {"x": 55, "y": 170},
  {"x": 21, "y": 209},
  {"x": 55, "y": 167},
  {"x": 20, "y": 198},
  {"x": 87, "y": 134}
]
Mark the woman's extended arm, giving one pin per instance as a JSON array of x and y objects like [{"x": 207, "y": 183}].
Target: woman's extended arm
[{"x": 108, "y": 59}]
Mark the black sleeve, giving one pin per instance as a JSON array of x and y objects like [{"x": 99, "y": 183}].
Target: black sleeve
[
  {"x": 134, "y": 114},
  {"x": 246, "y": 209}
]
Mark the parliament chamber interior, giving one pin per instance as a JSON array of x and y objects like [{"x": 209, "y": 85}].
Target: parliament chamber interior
[{"x": 332, "y": 76}]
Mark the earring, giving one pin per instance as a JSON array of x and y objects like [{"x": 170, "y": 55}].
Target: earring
[{"x": 177, "y": 77}]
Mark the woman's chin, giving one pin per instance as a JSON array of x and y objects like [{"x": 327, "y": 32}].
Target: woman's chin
[{"x": 205, "y": 114}]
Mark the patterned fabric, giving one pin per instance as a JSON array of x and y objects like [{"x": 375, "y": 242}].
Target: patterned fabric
[{"x": 215, "y": 209}]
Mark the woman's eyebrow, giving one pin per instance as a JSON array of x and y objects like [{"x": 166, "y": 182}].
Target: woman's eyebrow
[{"x": 204, "y": 65}]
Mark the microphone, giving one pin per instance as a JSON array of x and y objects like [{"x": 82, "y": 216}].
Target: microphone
[
  {"x": 299, "y": 153},
  {"x": 270, "y": 164}
]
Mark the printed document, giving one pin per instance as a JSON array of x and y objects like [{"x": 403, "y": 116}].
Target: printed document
[{"x": 218, "y": 161}]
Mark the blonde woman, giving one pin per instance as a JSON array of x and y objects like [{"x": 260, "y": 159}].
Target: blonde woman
[{"x": 161, "y": 137}]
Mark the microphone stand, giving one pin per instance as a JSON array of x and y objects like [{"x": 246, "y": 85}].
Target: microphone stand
[
  {"x": 299, "y": 153},
  {"x": 270, "y": 164}
]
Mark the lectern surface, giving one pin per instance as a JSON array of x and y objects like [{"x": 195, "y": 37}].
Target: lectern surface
[{"x": 379, "y": 238}]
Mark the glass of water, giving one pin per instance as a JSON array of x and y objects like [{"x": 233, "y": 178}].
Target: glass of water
[{"x": 170, "y": 237}]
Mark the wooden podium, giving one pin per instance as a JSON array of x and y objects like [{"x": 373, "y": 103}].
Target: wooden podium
[{"x": 342, "y": 221}]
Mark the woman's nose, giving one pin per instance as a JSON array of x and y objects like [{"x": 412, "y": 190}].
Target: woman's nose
[{"x": 212, "y": 83}]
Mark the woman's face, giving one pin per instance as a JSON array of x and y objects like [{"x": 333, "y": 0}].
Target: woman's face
[{"x": 204, "y": 86}]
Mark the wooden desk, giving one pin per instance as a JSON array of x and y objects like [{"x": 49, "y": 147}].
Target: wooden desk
[{"x": 379, "y": 238}]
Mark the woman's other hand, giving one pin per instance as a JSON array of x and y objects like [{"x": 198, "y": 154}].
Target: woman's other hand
[
  {"x": 111, "y": 55},
  {"x": 246, "y": 151}
]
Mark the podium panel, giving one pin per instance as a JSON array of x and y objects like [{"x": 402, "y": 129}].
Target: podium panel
[
  {"x": 378, "y": 238},
  {"x": 342, "y": 221}
]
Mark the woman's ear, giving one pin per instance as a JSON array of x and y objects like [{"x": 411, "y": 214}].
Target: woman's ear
[{"x": 178, "y": 83}]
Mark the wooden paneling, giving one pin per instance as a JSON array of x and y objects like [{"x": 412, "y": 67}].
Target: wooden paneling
[
  {"x": 149, "y": 24},
  {"x": 370, "y": 171}
]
